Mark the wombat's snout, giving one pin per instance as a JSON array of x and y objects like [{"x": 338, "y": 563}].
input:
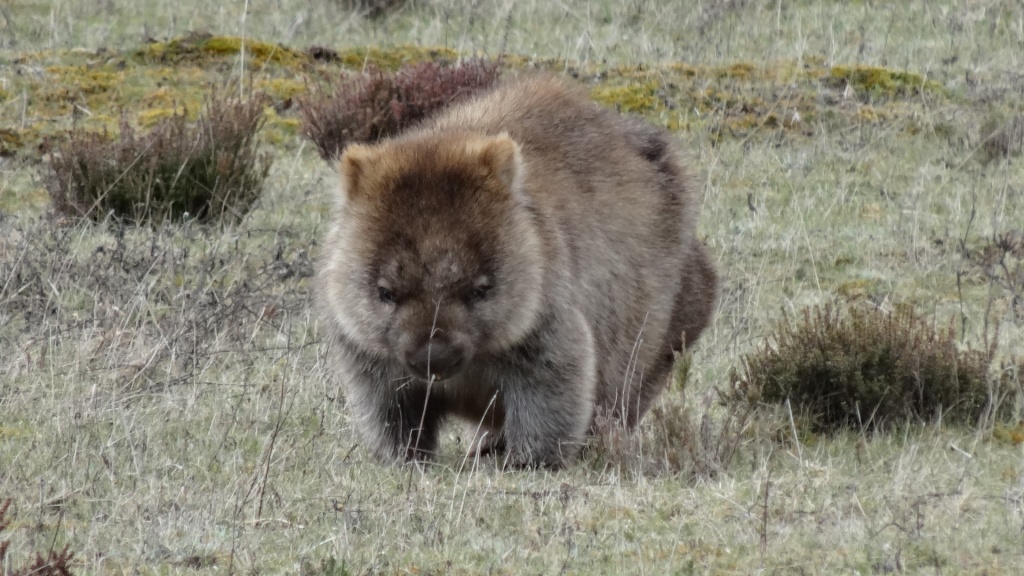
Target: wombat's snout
[{"x": 435, "y": 357}]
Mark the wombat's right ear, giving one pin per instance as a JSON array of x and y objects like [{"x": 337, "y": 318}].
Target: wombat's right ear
[{"x": 353, "y": 167}]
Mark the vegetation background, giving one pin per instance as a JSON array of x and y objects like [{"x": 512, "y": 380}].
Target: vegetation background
[{"x": 163, "y": 401}]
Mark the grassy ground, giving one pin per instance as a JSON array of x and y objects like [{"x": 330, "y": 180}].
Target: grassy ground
[{"x": 163, "y": 402}]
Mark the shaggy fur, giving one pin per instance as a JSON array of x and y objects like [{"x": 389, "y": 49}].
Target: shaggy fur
[{"x": 524, "y": 261}]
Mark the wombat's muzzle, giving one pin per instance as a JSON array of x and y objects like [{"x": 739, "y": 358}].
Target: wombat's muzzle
[{"x": 436, "y": 358}]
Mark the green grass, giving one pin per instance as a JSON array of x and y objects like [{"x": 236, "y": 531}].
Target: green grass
[{"x": 164, "y": 406}]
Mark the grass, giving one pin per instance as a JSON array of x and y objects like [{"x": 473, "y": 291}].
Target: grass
[{"x": 163, "y": 401}]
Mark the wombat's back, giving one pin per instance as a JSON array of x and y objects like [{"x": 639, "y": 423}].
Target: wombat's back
[{"x": 617, "y": 193}]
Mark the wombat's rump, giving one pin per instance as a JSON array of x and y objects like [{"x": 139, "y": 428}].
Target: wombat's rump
[{"x": 521, "y": 261}]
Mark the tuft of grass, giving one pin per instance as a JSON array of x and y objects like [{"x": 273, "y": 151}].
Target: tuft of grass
[
  {"x": 377, "y": 104},
  {"x": 209, "y": 170},
  {"x": 865, "y": 368},
  {"x": 680, "y": 437}
]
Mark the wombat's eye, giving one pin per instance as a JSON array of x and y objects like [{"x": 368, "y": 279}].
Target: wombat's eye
[
  {"x": 385, "y": 295},
  {"x": 480, "y": 292}
]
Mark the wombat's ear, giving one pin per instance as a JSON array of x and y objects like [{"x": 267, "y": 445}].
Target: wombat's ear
[
  {"x": 501, "y": 155},
  {"x": 353, "y": 167}
]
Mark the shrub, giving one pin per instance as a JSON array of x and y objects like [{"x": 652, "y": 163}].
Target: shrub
[
  {"x": 870, "y": 369},
  {"x": 209, "y": 170},
  {"x": 53, "y": 564},
  {"x": 376, "y": 104}
]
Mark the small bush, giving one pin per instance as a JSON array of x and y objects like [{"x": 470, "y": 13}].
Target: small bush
[
  {"x": 376, "y": 104},
  {"x": 866, "y": 368},
  {"x": 53, "y": 564},
  {"x": 209, "y": 170}
]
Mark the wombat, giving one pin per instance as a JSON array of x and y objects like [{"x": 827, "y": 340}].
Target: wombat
[{"x": 523, "y": 261}]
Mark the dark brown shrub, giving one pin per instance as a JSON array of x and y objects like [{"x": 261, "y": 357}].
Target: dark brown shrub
[
  {"x": 209, "y": 170},
  {"x": 871, "y": 369},
  {"x": 376, "y": 104},
  {"x": 53, "y": 564}
]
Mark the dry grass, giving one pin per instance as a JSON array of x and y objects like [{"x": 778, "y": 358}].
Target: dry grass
[
  {"x": 210, "y": 171},
  {"x": 867, "y": 369},
  {"x": 163, "y": 402}
]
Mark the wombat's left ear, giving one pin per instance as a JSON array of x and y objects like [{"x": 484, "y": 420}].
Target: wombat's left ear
[
  {"x": 353, "y": 167},
  {"x": 501, "y": 155}
]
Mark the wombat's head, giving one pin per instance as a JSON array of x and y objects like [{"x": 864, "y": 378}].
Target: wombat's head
[{"x": 435, "y": 254}]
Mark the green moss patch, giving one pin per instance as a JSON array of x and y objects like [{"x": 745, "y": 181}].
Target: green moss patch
[
  {"x": 736, "y": 100},
  {"x": 639, "y": 97},
  {"x": 874, "y": 83},
  {"x": 744, "y": 99},
  {"x": 205, "y": 47},
  {"x": 393, "y": 58}
]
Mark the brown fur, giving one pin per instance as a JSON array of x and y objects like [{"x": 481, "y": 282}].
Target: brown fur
[{"x": 534, "y": 252}]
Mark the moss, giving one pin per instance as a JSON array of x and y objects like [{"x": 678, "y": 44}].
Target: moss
[
  {"x": 10, "y": 142},
  {"x": 281, "y": 88},
  {"x": 86, "y": 80},
  {"x": 64, "y": 86},
  {"x": 740, "y": 70},
  {"x": 880, "y": 82},
  {"x": 633, "y": 98},
  {"x": 200, "y": 47},
  {"x": 280, "y": 130},
  {"x": 871, "y": 114},
  {"x": 730, "y": 100},
  {"x": 151, "y": 116},
  {"x": 393, "y": 58},
  {"x": 11, "y": 432},
  {"x": 685, "y": 70},
  {"x": 1009, "y": 434}
]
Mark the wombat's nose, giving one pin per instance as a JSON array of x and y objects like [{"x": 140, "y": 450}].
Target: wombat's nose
[{"x": 435, "y": 358}]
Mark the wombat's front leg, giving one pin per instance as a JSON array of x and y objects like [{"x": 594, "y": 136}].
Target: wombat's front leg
[
  {"x": 394, "y": 415},
  {"x": 548, "y": 385}
]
